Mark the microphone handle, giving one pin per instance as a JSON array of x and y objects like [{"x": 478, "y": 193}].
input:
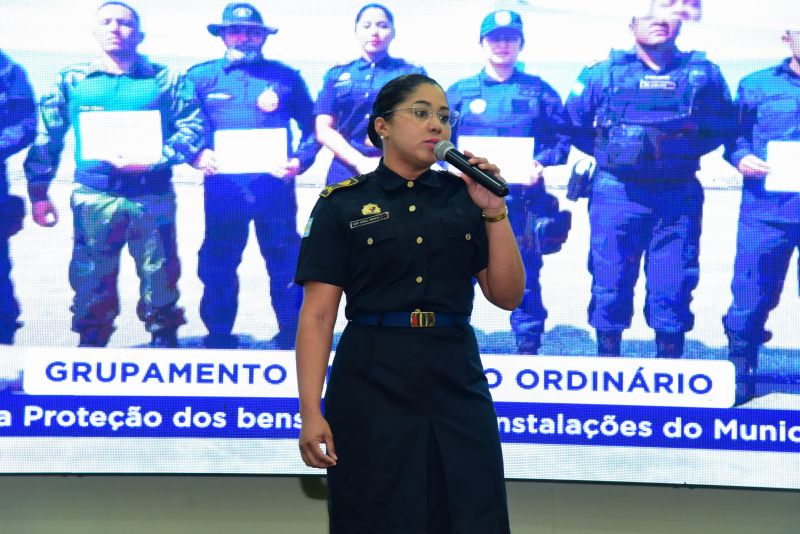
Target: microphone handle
[{"x": 496, "y": 186}]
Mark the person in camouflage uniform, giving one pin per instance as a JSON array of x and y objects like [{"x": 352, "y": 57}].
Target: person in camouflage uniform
[{"x": 124, "y": 201}]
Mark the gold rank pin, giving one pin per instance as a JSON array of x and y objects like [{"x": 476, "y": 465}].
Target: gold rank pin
[
  {"x": 370, "y": 209},
  {"x": 350, "y": 182}
]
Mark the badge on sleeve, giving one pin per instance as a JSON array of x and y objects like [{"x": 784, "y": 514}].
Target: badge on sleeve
[
  {"x": 268, "y": 100},
  {"x": 307, "y": 229}
]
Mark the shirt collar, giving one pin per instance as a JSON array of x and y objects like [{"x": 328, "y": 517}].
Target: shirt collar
[
  {"x": 390, "y": 180},
  {"x": 363, "y": 63},
  {"x": 141, "y": 67},
  {"x": 488, "y": 80},
  {"x": 679, "y": 59},
  {"x": 229, "y": 65},
  {"x": 783, "y": 68}
]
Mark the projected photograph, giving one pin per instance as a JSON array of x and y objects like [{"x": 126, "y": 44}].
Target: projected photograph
[{"x": 161, "y": 161}]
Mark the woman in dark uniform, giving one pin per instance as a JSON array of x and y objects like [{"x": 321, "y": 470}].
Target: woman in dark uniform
[
  {"x": 344, "y": 103},
  {"x": 416, "y": 443}
]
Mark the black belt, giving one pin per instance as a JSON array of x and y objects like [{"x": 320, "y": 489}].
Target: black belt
[{"x": 415, "y": 319}]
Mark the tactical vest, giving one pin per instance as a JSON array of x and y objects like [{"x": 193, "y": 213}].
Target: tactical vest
[
  {"x": 519, "y": 107},
  {"x": 648, "y": 122}
]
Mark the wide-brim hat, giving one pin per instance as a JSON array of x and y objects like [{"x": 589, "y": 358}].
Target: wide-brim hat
[
  {"x": 503, "y": 19},
  {"x": 240, "y": 14}
]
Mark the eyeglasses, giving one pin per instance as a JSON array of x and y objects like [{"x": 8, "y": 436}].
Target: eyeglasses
[{"x": 446, "y": 118}]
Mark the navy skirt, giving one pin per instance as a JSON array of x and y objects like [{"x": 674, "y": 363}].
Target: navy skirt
[{"x": 416, "y": 434}]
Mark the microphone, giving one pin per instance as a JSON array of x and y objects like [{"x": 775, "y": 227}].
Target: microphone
[{"x": 446, "y": 151}]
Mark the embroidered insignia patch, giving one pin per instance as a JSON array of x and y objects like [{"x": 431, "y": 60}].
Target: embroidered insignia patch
[
  {"x": 268, "y": 101},
  {"x": 370, "y": 209}
]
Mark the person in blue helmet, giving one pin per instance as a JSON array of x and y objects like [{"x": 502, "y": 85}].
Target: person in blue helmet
[
  {"x": 17, "y": 131},
  {"x": 647, "y": 115},
  {"x": 769, "y": 219},
  {"x": 503, "y": 101},
  {"x": 244, "y": 91},
  {"x": 345, "y": 101}
]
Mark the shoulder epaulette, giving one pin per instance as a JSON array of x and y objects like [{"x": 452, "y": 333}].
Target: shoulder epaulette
[
  {"x": 619, "y": 57},
  {"x": 350, "y": 182}
]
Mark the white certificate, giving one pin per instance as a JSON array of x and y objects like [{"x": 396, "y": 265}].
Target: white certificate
[
  {"x": 513, "y": 155},
  {"x": 250, "y": 151},
  {"x": 783, "y": 158},
  {"x": 131, "y": 135}
]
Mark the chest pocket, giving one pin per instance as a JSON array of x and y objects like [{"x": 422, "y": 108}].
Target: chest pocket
[
  {"x": 373, "y": 236},
  {"x": 343, "y": 89},
  {"x": 216, "y": 103},
  {"x": 461, "y": 238},
  {"x": 374, "y": 253},
  {"x": 778, "y": 118}
]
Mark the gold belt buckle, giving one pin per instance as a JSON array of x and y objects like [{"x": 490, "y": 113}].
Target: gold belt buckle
[{"x": 422, "y": 319}]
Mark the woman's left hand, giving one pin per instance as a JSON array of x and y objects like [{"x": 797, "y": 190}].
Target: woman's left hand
[{"x": 482, "y": 197}]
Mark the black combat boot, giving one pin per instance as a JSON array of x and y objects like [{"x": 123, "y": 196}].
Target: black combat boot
[
  {"x": 529, "y": 344},
  {"x": 284, "y": 340},
  {"x": 94, "y": 336},
  {"x": 166, "y": 338},
  {"x": 221, "y": 341},
  {"x": 608, "y": 342},
  {"x": 669, "y": 345},
  {"x": 744, "y": 355}
]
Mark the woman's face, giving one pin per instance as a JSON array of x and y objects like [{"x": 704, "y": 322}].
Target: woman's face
[
  {"x": 412, "y": 130},
  {"x": 502, "y": 47},
  {"x": 374, "y": 32}
]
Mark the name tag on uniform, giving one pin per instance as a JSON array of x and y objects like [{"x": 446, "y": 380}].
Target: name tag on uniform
[
  {"x": 513, "y": 155},
  {"x": 657, "y": 82},
  {"x": 783, "y": 158},
  {"x": 112, "y": 135},
  {"x": 369, "y": 220}
]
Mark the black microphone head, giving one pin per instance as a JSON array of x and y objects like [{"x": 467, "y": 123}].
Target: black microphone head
[{"x": 442, "y": 148}]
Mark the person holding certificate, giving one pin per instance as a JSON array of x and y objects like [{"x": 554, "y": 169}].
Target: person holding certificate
[
  {"x": 647, "y": 115},
  {"x": 344, "y": 103},
  {"x": 133, "y": 121},
  {"x": 767, "y": 153},
  {"x": 17, "y": 130},
  {"x": 250, "y": 167},
  {"x": 409, "y": 435},
  {"x": 518, "y": 120}
]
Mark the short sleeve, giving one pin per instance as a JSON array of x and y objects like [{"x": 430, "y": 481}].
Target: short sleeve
[
  {"x": 324, "y": 249},
  {"x": 325, "y": 99}
]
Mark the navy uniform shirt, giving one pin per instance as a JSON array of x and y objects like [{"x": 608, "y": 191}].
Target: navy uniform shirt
[
  {"x": 348, "y": 92},
  {"x": 652, "y": 123},
  {"x": 395, "y": 244},
  {"x": 17, "y": 113},
  {"x": 258, "y": 94},
  {"x": 768, "y": 103},
  {"x": 522, "y": 106}
]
